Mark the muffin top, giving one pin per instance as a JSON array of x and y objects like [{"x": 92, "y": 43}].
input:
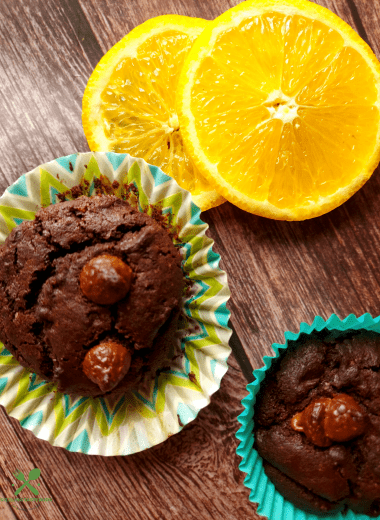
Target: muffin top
[
  {"x": 317, "y": 423},
  {"x": 51, "y": 316}
]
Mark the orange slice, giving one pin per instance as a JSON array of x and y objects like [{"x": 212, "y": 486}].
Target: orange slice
[
  {"x": 129, "y": 104},
  {"x": 278, "y": 105}
]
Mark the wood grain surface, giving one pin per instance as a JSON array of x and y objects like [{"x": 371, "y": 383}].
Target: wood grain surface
[{"x": 280, "y": 273}]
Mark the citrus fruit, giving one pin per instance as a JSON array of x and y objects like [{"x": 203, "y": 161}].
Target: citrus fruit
[
  {"x": 278, "y": 104},
  {"x": 129, "y": 104}
]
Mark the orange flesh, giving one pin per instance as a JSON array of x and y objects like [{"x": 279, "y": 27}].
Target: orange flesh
[{"x": 288, "y": 114}]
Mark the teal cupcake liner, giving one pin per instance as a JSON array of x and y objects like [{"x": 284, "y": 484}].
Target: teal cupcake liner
[{"x": 270, "y": 503}]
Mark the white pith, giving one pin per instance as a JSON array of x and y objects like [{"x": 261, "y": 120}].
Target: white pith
[{"x": 281, "y": 106}]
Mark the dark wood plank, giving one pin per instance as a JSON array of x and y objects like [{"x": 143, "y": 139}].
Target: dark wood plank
[
  {"x": 369, "y": 13},
  {"x": 111, "y": 20},
  {"x": 193, "y": 475},
  {"x": 241, "y": 355},
  {"x": 43, "y": 72}
]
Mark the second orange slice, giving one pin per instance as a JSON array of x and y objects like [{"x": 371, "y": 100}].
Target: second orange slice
[{"x": 129, "y": 104}]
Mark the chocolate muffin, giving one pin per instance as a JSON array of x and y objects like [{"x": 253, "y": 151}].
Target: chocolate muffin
[
  {"x": 90, "y": 293},
  {"x": 317, "y": 423}
]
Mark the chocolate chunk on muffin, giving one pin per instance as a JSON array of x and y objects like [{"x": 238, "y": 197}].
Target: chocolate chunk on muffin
[
  {"x": 90, "y": 292},
  {"x": 317, "y": 423}
]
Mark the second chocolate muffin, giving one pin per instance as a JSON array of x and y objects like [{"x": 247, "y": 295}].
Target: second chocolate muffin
[
  {"x": 317, "y": 423},
  {"x": 90, "y": 293}
]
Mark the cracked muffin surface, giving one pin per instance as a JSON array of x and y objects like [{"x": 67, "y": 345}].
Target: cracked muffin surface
[
  {"x": 49, "y": 324},
  {"x": 317, "y": 423}
]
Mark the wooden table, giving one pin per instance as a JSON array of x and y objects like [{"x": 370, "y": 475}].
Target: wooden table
[{"x": 280, "y": 273}]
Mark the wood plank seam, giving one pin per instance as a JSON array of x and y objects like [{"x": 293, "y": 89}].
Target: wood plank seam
[
  {"x": 241, "y": 356},
  {"x": 358, "y": 21},
  {"x": 82, "y": 28}
]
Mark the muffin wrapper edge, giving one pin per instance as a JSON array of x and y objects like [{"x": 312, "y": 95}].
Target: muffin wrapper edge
[
  {"x": 161, "y": 406},
  {"x": 270, "y": 503}
]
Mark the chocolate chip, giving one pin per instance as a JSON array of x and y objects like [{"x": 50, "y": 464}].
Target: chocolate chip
[
  {"x": 105, "y": 279},
  {"x": 106, "y": 364},
  {"x": 344, "y": 418}
]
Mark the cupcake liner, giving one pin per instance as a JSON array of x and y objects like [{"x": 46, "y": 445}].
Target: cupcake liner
[
  {"x": 270, "y": 502},
  {"x": 159, "y": 407}
]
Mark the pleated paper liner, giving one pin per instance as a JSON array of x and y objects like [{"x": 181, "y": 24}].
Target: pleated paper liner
[
  {"x": 160, "y": 407},
  {"x": 270, "y": 503}
]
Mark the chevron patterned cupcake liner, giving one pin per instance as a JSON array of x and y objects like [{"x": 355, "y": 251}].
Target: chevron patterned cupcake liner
[
  {"x": 160, "y": 407},
  {"x": 270, "y": 503}
]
